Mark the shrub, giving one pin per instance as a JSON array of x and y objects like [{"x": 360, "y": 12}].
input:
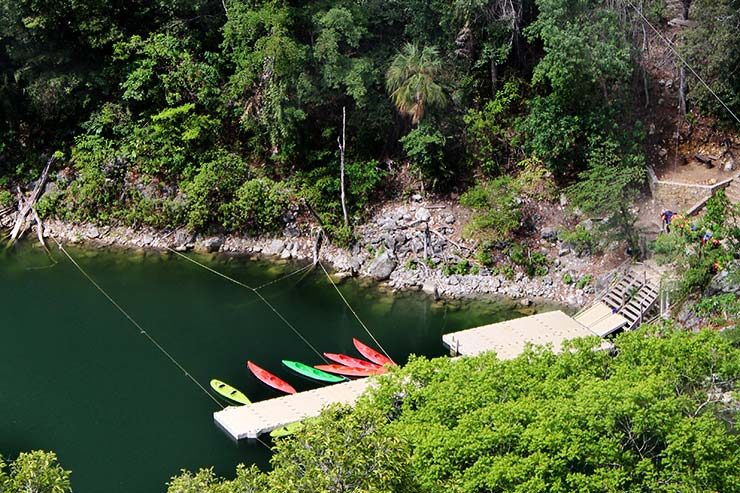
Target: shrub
[
  {"x": 212, "y": 187},
  {"x": 534, "y": 263},
  {"x": 459, "y": 268},
  {"x": 669, "y": 247},
  {"x": 425, "y": 150},
  {"x": 6, "y": 198},
  {"x": 258, "y": 206},
  {"x": 721, "y": 309},
  {"x": 483, "y": 254},
  {"x": 567, "y": 278},
  {"x": 580, "y": 239},
  {"x": 584, "y": 281},
  {"x": 497, "y": 212}
]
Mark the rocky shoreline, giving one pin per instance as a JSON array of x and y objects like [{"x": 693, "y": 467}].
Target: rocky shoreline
[{"x": 405, "y": 246}]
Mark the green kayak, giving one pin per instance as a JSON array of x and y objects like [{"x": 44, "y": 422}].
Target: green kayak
[
  {"x": 286, "y": 430},
  {"x": 311, "y": 372},
  {"x": 229, "y": 392}
]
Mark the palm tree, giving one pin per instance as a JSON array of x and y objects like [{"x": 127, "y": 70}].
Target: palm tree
[{"x": 410, "y": 80}]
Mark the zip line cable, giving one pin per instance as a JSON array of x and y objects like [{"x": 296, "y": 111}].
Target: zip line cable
[
  {"x": 255, "y": 291},
  {"x": 135, "y": 323},
  {"x": 678, "y": 55},
  {"x": 353, "y": 311}
]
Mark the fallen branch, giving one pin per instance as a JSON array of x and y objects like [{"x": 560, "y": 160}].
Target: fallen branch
[
  {"x": 461, "y": 247},
  {"x": 25, "y": 206}
]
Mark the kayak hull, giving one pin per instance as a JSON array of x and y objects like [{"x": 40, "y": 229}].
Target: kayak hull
[
  {"x": 312, "y": 373},
  {"x": 350, "y": 371},
  {"x": 229, "y": 392},
  {"x": 269, "y": 379},
  {"x": 345, "y": 360},
  {"x": 371, "y": 354}
]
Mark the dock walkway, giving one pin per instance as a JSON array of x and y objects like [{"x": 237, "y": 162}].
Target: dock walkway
[{"x": 252, "y": 420}]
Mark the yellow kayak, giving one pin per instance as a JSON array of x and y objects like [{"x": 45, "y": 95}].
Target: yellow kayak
[{"x": 229, "y": 392}]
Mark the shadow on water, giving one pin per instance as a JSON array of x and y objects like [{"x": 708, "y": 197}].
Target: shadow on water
[{"x": 79, "y": 379}]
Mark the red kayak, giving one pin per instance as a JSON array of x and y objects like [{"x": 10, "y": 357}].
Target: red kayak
[
  {"x": 372, "y": 354},
  {"x": 269, "y": 379},
  {"x": 350, "y": 371},
  {"x": 345, "y": 360}
]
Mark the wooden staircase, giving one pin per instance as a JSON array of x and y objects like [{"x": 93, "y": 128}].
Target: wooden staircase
[
  {"x": 624, "y": 306},
  {"x": 634, "y": 297}
]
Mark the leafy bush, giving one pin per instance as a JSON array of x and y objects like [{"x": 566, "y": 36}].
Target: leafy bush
[
  {"x": 425, "y": 149},
  {"x": 497, "y": 213},
  {"x": 580, "y": 239},
  {"x": 258, "y": 206},
  {"x": 721, "y": 309},
  {"x": 459, "y": 268},
  {"x": 6, "y": 198},
  {"x": 212, "y": 187},
  {"x": 488, "y": 131},
  {"x": 668, "y": 247},
  {"x": 534, "y": 263},
  {"x": 535, "y": 180},
  {"x": 484, "y": 254},
  {"x": 584, "y": 281},
  {"x": 567, "y": 278}
]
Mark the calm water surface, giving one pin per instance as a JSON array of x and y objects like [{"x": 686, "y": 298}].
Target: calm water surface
[{"x": 77, "y": 378}]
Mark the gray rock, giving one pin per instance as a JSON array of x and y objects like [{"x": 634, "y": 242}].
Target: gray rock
[
  {"x": 547, "y": 281},
  {"x": 550, "y": 234},
  {"x": 416, "y": 197},
  {"x": 389, "y": 225},
  {"x": 450, "y": 219},
  {"x": 213, "y": 243},
  {"x": 563, "y": 200},
  {"x": 382, "y": 267},
  {"x": 147, "y": 239},
  {"x": 563, "y": 251},
  {"x": 422, "y": 215},
  {"x": 726, "y": 281},
  {"x": 93, "y": 233},
  {"x": 274, "y": 248}
]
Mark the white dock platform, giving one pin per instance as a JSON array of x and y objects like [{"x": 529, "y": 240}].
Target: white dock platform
[
  {"x": 252, "y": 420},
  {"x": 508, "y": 339},
  {"x": 602, "y": 319}
]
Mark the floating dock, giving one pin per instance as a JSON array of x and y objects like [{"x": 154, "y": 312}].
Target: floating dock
[
  {"x": 508, "y": 339},
  {"x": 252, "y": 420}
]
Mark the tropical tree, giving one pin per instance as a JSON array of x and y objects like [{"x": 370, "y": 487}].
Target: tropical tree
[
  {"x": 412, "y": 78},
  {"x": 34, "y": 472}
]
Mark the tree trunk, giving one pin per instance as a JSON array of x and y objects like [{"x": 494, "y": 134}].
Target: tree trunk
[
  {"x": 682, "y": 90},
  {"x": 342, "y": 144}
]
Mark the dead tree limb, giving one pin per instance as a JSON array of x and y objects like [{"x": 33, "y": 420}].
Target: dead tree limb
[{"x": 25, "y": 205}]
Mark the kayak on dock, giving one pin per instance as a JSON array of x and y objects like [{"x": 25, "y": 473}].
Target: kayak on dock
[
  {"x": 352, "y": 372},
  {"x": 291, "y": 428},
  {"x": 372, "y": 354},
  {"x": 269, "y": 379},
  {"x": 229, "y": 392},
  {"x": 345, "y": 360},
  {"x": 311, "y": 372}
]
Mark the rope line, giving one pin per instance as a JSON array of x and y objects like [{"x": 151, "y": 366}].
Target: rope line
[
  {"x": 353, "y": 311},
  {"x": 259, "y": 295},
  {"x": 283, "y": 278},
  {"x": 678, "y": 55},
  {"x": 135, "y": 323}
]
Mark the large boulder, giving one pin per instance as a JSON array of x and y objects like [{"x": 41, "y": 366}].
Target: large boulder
[
  {"x": 381, "y": 268},
  {"x": 726, "y": 281}
]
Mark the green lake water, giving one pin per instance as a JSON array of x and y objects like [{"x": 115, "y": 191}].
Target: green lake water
[{"x": 77, "y": 378}]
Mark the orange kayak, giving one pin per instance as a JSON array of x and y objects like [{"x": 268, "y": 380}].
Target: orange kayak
[
  {"x": 372, "y": 354},
  {"x": 345, "y": 360},
  {"x": 269, "y": 379},
  {"x": 350, "y": 371}
]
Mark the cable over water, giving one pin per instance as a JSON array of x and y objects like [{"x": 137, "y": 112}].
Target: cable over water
[
  {"x": 259, "y": 295},
  {"x": 136, "y": 324},
  {"x": 353, "y": 311}
]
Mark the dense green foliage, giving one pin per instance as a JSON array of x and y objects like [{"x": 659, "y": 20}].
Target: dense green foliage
[
  {"x": 34, "y": 472},
  {"x": 653, "y": 415},
  {"x": 166, "y": 113},
  {"x": 695, "y": 261}
]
